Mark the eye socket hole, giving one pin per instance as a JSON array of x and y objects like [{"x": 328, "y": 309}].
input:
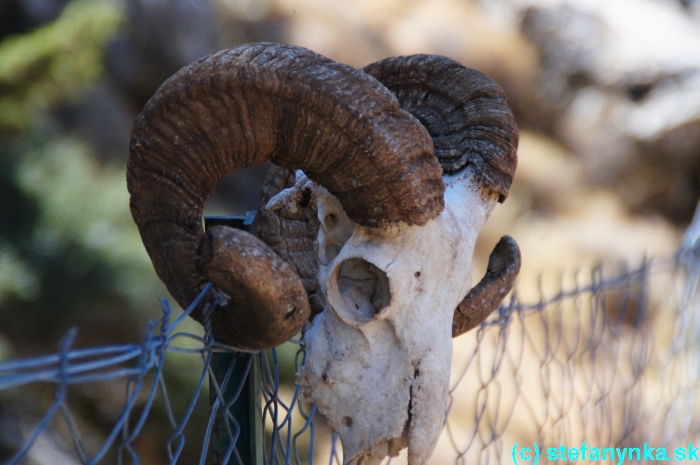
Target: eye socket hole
[{"x": 364, "y": 289}]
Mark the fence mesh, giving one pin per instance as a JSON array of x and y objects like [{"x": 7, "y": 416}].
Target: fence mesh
[{"x": 607, "y": 360}]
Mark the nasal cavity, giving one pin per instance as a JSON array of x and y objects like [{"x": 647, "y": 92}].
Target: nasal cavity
[{"x": 364, "y": 289}]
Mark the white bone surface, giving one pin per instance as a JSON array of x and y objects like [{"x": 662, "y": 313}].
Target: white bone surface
[{"x": 379, "y": 355}]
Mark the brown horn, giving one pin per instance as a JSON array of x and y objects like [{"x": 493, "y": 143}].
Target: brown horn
[
  {"x": 484, "y": 298},
  {"x": 464, "y": 111},
  {"x": 291, "y": 235},
  {"x": 470, "y": 123},
  {"x": 241, "y": 107}
]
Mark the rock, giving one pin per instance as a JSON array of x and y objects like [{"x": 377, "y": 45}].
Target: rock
[{"x": 626, "y": 101}]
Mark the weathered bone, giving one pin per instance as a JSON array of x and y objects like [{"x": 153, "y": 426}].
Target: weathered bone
[
  {"x": 379, "y": 356},
  {"x": 335, "y": 226}
]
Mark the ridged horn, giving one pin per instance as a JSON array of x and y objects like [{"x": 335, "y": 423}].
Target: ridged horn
[
  {"x": 240, "y": 107},
  {"x": 291, "y": 235},
  {"x": 471, "y": 124},
  {"x": 464, "y": 111},
  {"x": 484, "y": 298}
]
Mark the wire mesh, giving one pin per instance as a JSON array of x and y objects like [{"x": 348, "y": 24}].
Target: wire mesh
[{"x": 607, "y": 360}]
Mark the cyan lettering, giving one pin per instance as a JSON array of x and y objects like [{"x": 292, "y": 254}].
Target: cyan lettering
[
  {"x": 522, "y": 453},
  {"x": 633, "y": 450},
  {"x": 621, "y": 454},
  {"x": 680, "y": 453},
  {"x": 647, "y": 452}
]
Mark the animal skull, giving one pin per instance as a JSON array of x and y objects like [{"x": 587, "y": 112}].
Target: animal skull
[
  {"x": 378, "y": 357},
  {"x": 403, "y": 161}
]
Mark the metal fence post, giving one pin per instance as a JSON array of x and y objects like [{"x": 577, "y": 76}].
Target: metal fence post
[{"x": 247, "y": 407}]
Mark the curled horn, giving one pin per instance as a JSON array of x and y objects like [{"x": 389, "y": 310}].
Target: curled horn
[
  {"x": 470, "y": 123},
  {"x": 464, "y": 111},
  {"x": 239, "y": 108},
  {"x": 483, "y": 299},
  {"x": 292, "y": 235}
]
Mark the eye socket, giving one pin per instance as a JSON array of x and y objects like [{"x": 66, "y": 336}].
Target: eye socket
[{"x": 361, "y": 290}]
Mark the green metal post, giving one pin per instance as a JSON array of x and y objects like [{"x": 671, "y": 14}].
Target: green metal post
[{"x": 247, "y": 408}]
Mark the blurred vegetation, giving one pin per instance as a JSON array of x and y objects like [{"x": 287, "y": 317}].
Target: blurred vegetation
[
  {"x": 70, "y": 254},
  {"x": 68, "y": 250},
  {"x": 55, "y": 63}
]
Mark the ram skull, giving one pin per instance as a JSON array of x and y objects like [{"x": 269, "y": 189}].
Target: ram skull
[{"x": 399, "y": 166}]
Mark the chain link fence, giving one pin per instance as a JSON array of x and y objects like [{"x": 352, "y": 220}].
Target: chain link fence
[{"x": 610, "y": 360}]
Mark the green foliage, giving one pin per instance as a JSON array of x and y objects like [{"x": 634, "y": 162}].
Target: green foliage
[
  {"x": 59, "y": 202},
  {"x": 16, "y": 277},
  {"x": 81, "y": 202},
  {"x": 70, "y": 253},
  {"x": 69, "y": 250},
  {"x": 54, "y": 63}
]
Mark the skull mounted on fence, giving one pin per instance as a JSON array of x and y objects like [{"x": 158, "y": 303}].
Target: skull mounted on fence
[{"x": 398, "y": 166}]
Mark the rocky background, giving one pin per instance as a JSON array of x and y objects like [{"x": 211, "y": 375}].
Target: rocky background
[{"x": 607, "y": 96}]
